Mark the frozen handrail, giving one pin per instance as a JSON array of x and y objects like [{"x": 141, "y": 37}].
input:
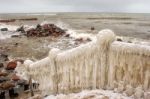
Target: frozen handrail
[{"x": 103, "y": 63}]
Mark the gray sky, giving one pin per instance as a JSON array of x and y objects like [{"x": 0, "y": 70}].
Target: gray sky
[{"x": 133, "y": 6}]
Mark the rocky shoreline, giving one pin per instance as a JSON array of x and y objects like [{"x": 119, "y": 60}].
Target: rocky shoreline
[{"x": 11, "y": 85}]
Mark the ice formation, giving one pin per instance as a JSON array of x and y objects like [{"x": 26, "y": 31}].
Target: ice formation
[
  {"x": 90, "y": 94},
  {"x": 102, "y": 63},
  {"x": 84, "y": 36}
]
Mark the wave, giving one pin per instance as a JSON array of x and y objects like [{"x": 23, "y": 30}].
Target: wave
[
  {"x": 8, "y": 34},
  {"x": 72, "y": 32},
  {"x": 10, "y": 27}
]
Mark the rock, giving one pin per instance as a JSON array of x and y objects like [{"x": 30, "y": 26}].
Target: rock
[
  {"x": 139, "y": 93},
  {"x": 1, "y": 65},
  {"x": 22, "y": 82},
  {"x": 3, "y": 79},
  {"x": 15, "y": 77},
  {"x": 4, "y": 29},
  {"x": 129, "y": 90},
  {"x": 38, "y": 26},
  {"x": 6, "y": 85},
  {"x": 14, "y": 36},
  {"x": 129, "y": 41},
  {"x": 79, "y": 39},
  {"x": 92, "y": 28},
  {"x": 67, "y": 35},
  {"x": 16, "y": 44},
  {"x": 3, "y": 74},
  {"x": 45, "y": 30},
  {"x": 119, "y": 39},
  {"x": 4, "y": 57},
  {"x": 88, "y": 39},
  {"x": 11, "y": 65},
  {"x": 82, "y": 40},
  {"x": 31, "y": 32},
  {"x": 21, "y": 29}
]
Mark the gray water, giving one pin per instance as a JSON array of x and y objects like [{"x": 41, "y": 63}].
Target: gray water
[{"x": 123, "y": 24}]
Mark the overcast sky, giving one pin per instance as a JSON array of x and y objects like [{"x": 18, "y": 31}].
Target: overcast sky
[{"x": 133, "y": 6}]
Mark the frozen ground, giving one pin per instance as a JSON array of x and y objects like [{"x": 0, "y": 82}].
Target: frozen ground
[{"x": 91, "y": 94}]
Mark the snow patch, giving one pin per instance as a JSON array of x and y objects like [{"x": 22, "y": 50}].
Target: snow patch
[{"x": 91, "y": 94}]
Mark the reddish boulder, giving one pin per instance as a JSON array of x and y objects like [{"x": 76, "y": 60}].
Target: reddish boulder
[
  {"x": 11, "y": 65},
  {"x": 3, "y": 74}
]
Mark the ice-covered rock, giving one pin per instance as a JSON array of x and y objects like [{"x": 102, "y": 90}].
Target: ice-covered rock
[
  {"x": 139, "y": 93},
  {"x": 129, "y": 90}
]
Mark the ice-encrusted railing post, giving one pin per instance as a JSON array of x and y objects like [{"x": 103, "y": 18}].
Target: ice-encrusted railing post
[
  {"x": 54, "y": 74},
  {"x": 104, "y": 39},
  {"x": 85, "y": 66}
]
